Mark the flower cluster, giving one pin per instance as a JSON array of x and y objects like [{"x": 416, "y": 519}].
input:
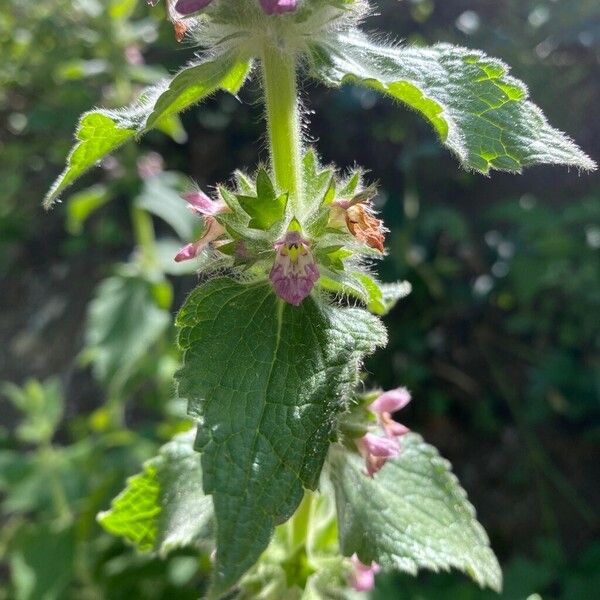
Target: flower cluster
[
  {"x": 320, "y": 243},
  {"x": 377, "y": 449}
]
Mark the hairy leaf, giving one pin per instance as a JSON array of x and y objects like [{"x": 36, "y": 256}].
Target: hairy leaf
[
  {"x": 480, "y": 112},
  {"x": 100, "y": 132},
  {"x": 412, "y": 514},
  {"x": 266, "y": 380},
  {"x": 163, "y": 507}
]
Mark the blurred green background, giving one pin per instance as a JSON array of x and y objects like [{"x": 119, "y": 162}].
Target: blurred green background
[{"x": 498, "y": 342}]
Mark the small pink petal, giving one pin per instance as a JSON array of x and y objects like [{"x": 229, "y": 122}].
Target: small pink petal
[
  {"x": 383, "y": 447},
  {"x": 362, "y": 578},
  {"x": 391, "y": 401},
  {"x": 395, "y": 429},
  {"x": 203, "y": 204}
]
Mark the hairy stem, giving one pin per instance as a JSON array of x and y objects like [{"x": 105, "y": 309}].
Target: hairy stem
[{"x": 283, "y": 119}]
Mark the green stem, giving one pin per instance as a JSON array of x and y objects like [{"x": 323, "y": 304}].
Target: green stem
[
  {"x": 145, "y": 239},
  {"x": 300, "y": 522},
  {"x": 283, "y": 119},
  {"x": 59, "y": 498}
]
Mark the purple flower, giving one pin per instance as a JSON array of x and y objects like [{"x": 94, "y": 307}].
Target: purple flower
[
  {"x": 272, "y": 7},
  {"x": 362, "y": 578},
  {"x": 391, "y": 401},
  {"x": 189, "y": 7},
  {"x": 294, "y": 273}
]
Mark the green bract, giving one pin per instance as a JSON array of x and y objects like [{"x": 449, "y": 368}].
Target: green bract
[{"x": 271, "y": 352}]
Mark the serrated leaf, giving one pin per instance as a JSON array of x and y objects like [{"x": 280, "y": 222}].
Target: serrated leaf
[
  {"x": 100, "y": 132},
  {"x": 266, "y": 380},
  {"x": 479, "y": 111},
  {"x": 123, "y": 323},
  {"x": 412, "y": 514},
  {"x": 97, "y": 136},
  {"x": 163, "y": 507}
]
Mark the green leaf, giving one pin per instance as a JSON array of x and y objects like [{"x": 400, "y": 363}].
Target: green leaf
[
  {"x": 83, "y": 204},
  {"x": 41, "y": 562},
  {"x": 479, "y": 111},
  {"x": 163, "y": 507},
  {"x": 100, "y": 132},
  {"x": 412, "y": 514},
  {"x": 123, "y": 323},
  {"x": 97, "y": 135},
  {"x": 161, "y": 196},
  {"x": 267, "y": 381}
]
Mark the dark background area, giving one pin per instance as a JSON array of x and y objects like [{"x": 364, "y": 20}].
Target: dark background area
[{"x": 498, "y": 342}]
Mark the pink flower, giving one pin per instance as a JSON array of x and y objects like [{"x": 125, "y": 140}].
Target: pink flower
[
  {"x": 362, "y": 578},
  {"x": 391, "y": 401},
  {"x": 376, "y": 450},
  {"x": 295, "y": 272},
  {"x": 203, "y": 205},
  {"x": 272, "y": 7},
  {"x": 382, "y": 447}
]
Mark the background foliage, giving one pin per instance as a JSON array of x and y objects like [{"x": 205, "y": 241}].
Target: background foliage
[{"x": 498, "y": 342}]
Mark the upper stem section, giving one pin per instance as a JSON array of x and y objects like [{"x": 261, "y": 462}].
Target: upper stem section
[{"x": 283, "y": 119}]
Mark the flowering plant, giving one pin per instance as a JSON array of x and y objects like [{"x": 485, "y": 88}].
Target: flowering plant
[{"x": 298, "y": 482}]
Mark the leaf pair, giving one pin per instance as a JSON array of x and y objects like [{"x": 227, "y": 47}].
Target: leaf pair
[
  {"x": 479, "y": 111},
  {"x": 412, "y": 515}
]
